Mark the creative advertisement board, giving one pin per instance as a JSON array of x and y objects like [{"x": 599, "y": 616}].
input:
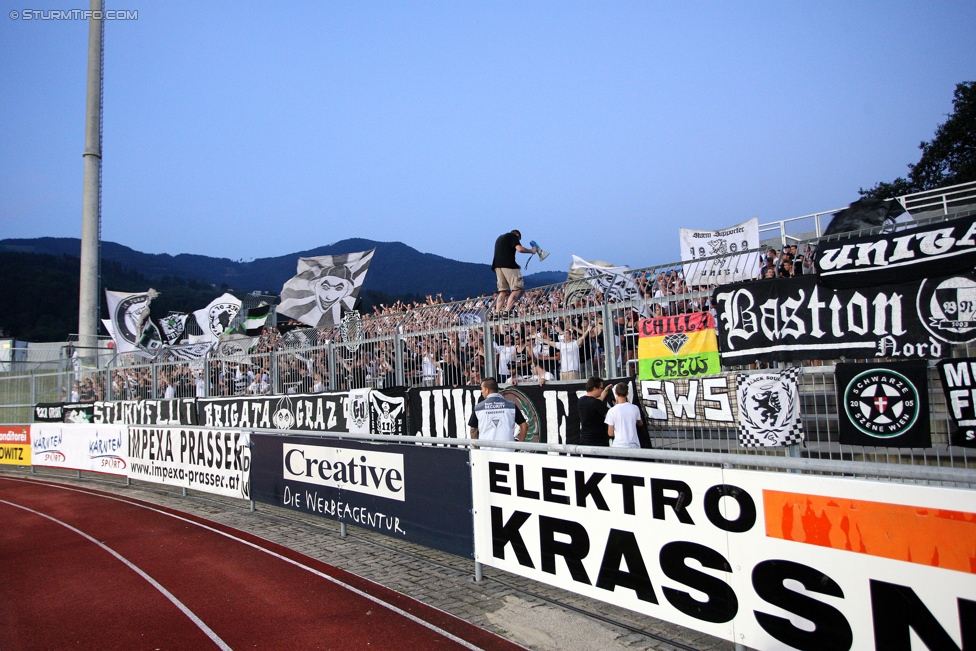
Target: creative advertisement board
[
  {"x": 181, "y": 411},
  {"x": 767, "y": 560},
  {"x": 913, "y": 254},
  {"x": 209, "y": 460},
  {"x": 96, "y": 448},
  {"x": 15, "y": 447},
  {"x": 414, "y": 493},
  {"x": 791, "y": 319}
]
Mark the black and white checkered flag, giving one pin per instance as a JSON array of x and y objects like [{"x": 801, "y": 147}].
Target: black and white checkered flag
[{"x": 769, "y": 408}]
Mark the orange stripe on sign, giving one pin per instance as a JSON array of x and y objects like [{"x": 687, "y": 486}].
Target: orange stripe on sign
[{"x": 936, "y": 537}]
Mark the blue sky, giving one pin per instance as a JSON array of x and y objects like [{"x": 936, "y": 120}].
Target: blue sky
[{"x": 244, "y": 130}]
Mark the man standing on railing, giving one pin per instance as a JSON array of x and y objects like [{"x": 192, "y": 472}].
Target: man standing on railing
[{"x": 507, "y": 270}]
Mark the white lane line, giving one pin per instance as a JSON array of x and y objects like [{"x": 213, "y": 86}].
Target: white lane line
[
  {"x": 376, "y": 600},
  {"x": 166, "y": 593}
]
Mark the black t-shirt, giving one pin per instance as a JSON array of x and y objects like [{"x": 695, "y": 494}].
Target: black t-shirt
[
  {"x": 505, "y": 252},
  {"x": 592, "y": 413}
]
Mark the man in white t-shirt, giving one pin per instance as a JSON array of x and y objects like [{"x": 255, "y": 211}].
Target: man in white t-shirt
[
  {"x": 569, "y": 353},
  {"x": 505, "y": 356},
  {"x": 623, "y": 419}
]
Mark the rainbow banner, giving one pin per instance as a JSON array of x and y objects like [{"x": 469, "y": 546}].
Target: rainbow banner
[{"x": 678, "y": 346}]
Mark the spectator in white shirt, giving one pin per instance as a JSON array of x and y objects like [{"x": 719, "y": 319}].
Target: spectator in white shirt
[
  {"x": 506, "y": 358},
  {"x": 569, "y": 357},
  {"x": 623, "y": 419}
]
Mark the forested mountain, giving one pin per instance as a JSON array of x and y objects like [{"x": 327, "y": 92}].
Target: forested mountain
[{"x": 39, "y": 279}]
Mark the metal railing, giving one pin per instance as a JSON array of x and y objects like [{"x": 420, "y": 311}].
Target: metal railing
[
  {"x": 560, "y": 332},
  {"x": 920, "y": 205}
]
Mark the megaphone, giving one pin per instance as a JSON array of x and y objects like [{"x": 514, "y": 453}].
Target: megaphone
[{"x": 538, "y": 249}]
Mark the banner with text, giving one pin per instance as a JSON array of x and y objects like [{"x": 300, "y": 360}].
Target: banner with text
[
  {"x": 15, "y": 447},
  {"x": 798, "y": 319},
  {"x": 709, "y": 402},
  {"x": 738, "y": 245},
  {"x": 417, "y": 494},
  {"x": 959, "y": 385},
  {"x": 767, "y": 560},
  {"x": 96, "y": 448},
  {"x": 551, "y": 411},
  {"x": 208, "y": 460},
  {"x": 64, "y": 412},
  {"x": 923, "y": 252},
  {"x": 678, "y": 346},
  {"x": 318, "y": 412},
  {"x": 181, "y": 411}
]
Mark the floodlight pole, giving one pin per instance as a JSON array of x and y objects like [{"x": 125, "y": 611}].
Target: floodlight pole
[{"x": 91, "y": 192}]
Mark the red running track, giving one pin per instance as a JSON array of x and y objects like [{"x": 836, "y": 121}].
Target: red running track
[{"x": 82, "y": 569}]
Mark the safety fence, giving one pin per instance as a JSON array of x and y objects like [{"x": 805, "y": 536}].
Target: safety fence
[
  {"x": 455, "y": 345},
  {"x": 589, "y": 325},
  {"x": 694, "y": 539}
]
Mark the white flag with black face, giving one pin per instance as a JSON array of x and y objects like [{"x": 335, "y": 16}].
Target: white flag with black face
[
  {"x": 324, "y": 288},
  {"x": 129, "y": 316},
  {"x": 212, "y": 320}
]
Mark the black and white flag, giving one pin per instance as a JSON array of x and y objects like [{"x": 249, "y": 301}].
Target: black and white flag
[
  {"x": 935, "y": 249},
  {"x": 130, "y": 321},
  {"x": 172, "y": 327},
  {"x": 727, "y": 255},
  {"x": 884, "y": 405},
  {"x": 235, "y": 347},
  {"x": 212, "y": 320},
  {"x": 959, "y": 385},
  {"x": 188, "y": 352},
  {"x": 615, "y": 283},
  {"x": 388, "y": 409},
  {"x": 299, "y": 338},
  {"x": 324, "y": 288},
  {"x": 769, "y": 409}
]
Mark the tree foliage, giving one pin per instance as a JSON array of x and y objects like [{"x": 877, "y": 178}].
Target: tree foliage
[
  {"x": 948, "y": 159},
  {"x": 40, "y": 294}
]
